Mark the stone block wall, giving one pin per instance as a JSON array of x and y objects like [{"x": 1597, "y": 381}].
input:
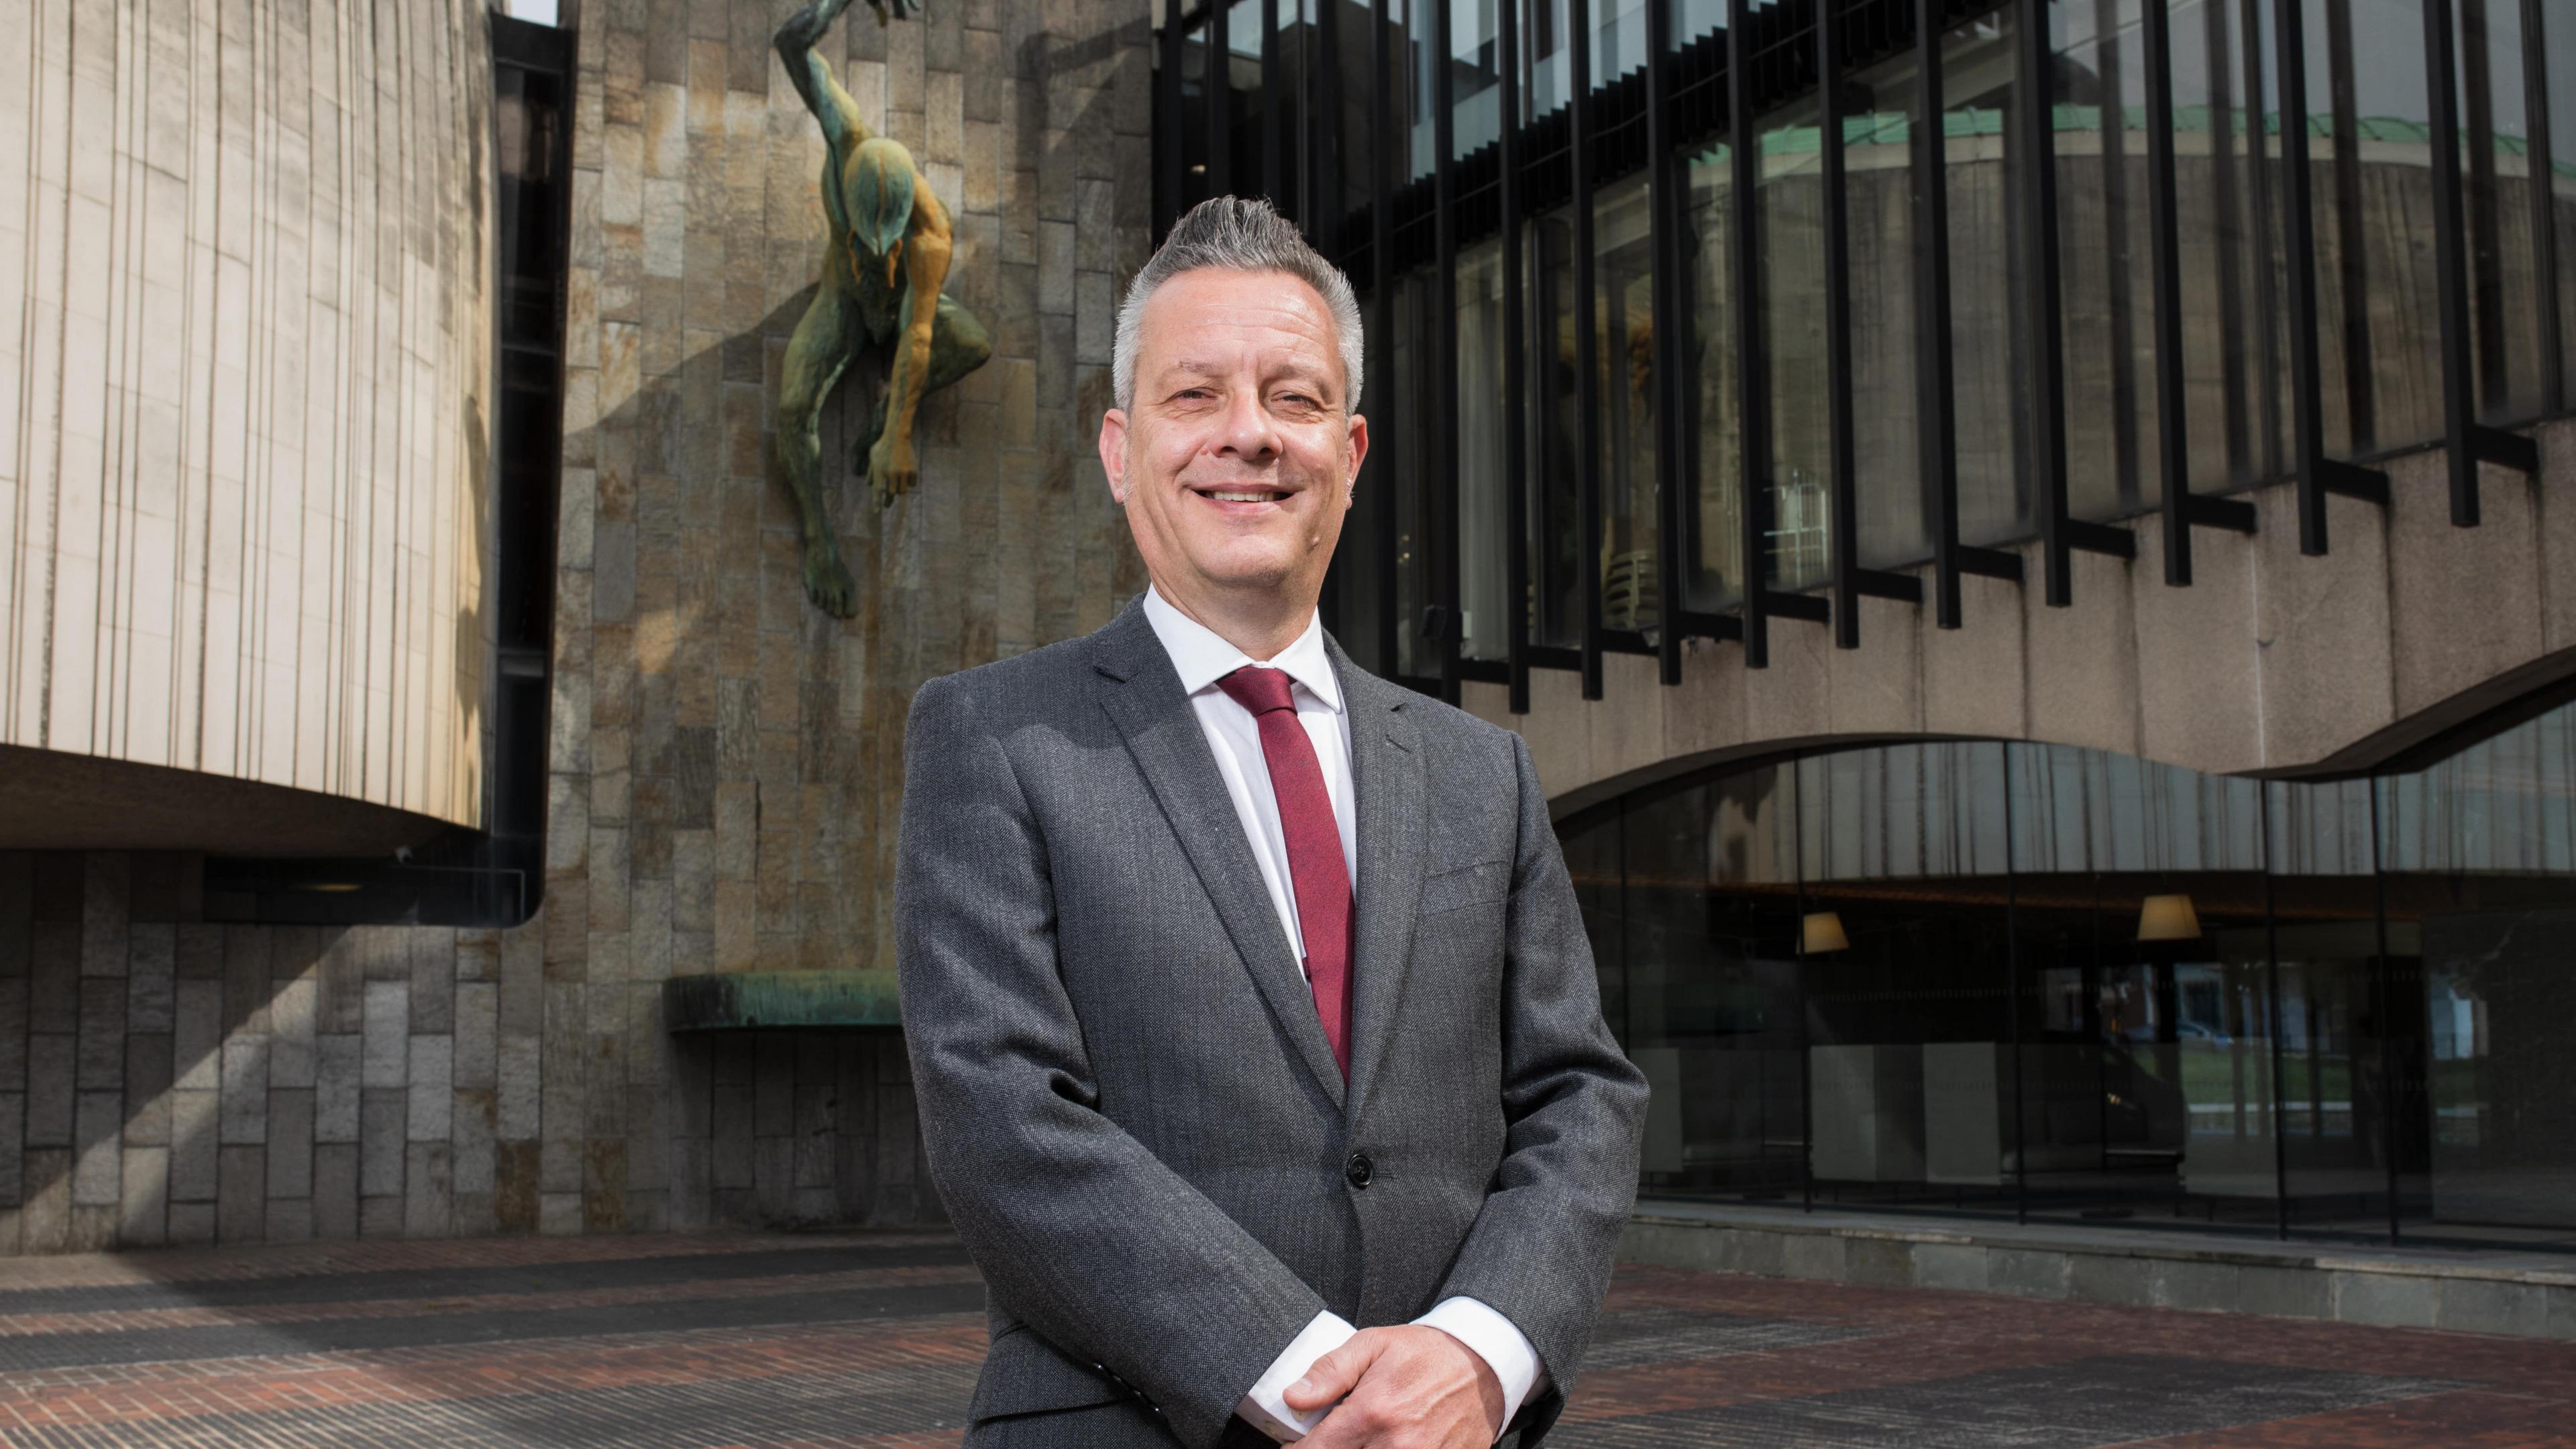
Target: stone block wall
[
  {"x": 726, "y": 760},
  {"x": 167, "y": 1080}
]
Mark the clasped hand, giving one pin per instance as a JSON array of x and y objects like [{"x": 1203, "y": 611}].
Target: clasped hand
[{"x": 1408, "y": 1387}]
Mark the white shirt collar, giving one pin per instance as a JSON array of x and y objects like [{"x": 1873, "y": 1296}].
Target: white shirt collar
[{"x": 1201, "y": 656}]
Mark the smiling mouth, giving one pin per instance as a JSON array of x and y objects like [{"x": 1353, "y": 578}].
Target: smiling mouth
[{"x": 1242, "y": 495}]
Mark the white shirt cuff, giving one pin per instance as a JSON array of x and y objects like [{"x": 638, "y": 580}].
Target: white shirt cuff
[
  {"x": 1493, "y": 1338},
  {"x": 1265, "y": 1410}
]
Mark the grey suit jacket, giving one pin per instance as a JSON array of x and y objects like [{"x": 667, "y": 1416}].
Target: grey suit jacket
[{"x": 1130, "y": 1107}]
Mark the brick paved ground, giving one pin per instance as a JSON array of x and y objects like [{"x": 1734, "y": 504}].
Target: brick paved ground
[{"x": 715, "y": 1341}]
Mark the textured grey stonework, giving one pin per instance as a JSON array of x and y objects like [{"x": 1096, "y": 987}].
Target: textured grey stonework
[
  {"x": 2530, "y": 1295},
  {"x": 725, "y": 762}
]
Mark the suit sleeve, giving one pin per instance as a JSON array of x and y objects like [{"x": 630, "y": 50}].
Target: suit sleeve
[
  {"x": 1079, "y": 1231},
  {"x": 1541, "y": 1248}
]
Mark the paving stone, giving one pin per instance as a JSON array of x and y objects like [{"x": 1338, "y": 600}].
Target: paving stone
[
  {"x": 1950, "y": 1265},
  {"x": 2284, "y": 1292},
  {"x": 2103, "y": 1278},
  {"x": 2471, "y": 1305},
  {"x": 1816, "y": 1256},
  {"x": 143, "y": 1218},
  {"x": 290, "y": 1142},
  {"x": 50, "y": 1089},
  {"x": 335, "y": 1190},
  {"x": 245, "y": 1088},
  {"x": 383, "y": 1115},
  {"x": 196, "y": 1119},
  {"x": 97, "y": 1150},
  {"x": 2394, "y": 1300},
  {"x": 2028, "y": 1274},
  {"x": 337, "y": 1071},
  {"x": 430, "y": 1088},
  {"x": 387, "y": 1053}
]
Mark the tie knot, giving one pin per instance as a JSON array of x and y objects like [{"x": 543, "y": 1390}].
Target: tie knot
[{"x": 1259, "y": 690}]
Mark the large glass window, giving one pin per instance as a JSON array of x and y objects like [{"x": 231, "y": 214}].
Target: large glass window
[
  {"x": 2557, "y": 51},
  {"x": 2367, "y": 192},
  {"x": 1878, "y": 209},
  {"x": 1624, "y": 349},
  {"x": 1483, "y": 421},
  {"x": 2107, "y": 292},
  {"x": 1981, "y": 184},
  {"x": 2054, "y": 982},
  {"x": 2500, "y": 192},
  {"x": 1712, "y": 430},
  {"x": 2370, "y": 170},
  {"x": 1789, "y": 224},
  {"x": 1556, "y": 422},
  {"x": 2231, "y": 400}
]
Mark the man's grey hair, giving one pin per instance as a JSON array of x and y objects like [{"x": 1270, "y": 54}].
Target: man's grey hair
[{"x": 1240, "y": 236}]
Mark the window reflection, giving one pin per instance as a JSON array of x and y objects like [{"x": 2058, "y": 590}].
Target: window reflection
[
  {"x": 1789, "y": 212},
  {"x": 1712, "y": 433},
  {"x": 2107, "y": 293},
  {"x": 1483, "y": 506},
  {"x": 1624, "y": 339},
  {"x": 1982, "y": 183},
  {"x": 2064, "y": 983}
]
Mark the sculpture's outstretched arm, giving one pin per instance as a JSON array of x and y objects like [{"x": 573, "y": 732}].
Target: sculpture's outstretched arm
[
  {"x": 891, "y": 464},
  {"x": 812, "y": 75}
]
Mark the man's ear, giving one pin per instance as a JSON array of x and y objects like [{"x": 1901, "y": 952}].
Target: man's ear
[
  {"x": 1359, "y": 451},
  {"x": 1113, "y": 452}
]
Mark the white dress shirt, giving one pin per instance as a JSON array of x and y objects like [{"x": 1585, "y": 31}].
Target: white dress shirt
[{"x": 1201, "y": 657}]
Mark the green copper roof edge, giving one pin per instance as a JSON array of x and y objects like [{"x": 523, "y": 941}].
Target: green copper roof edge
[{"x": 756, "y": 1000}]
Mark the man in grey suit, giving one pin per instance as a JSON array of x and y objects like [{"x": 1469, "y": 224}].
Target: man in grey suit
[{"x": 1259, "y": 1053}]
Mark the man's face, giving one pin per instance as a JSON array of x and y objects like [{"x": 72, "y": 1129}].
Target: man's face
[{"x": 1236, "y": 458}]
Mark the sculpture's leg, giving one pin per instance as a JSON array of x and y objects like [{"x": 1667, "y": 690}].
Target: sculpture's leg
[
  {"x": 816, "y": 354},
  {"x": 958, "y": 345}
]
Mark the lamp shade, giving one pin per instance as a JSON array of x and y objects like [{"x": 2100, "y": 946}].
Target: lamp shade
[
  {"x": 2168, "y": 918},
  {"x": 1823, "y": 932}
]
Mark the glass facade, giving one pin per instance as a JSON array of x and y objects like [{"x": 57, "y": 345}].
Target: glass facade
[
  {"x": 2053, "y": 983},
  {"x": 2020, "y": 360}
]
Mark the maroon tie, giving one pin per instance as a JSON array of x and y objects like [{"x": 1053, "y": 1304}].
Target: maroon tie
[{"x": 1315, "y": 863}]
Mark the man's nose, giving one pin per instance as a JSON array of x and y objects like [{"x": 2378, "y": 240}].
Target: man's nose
[{"x": 1250, "y": 432}]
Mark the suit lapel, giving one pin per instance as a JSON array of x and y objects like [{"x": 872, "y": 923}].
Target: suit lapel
[
  {"x": 1142, "y": 695},
  {"x": 1386, "y": 770}
]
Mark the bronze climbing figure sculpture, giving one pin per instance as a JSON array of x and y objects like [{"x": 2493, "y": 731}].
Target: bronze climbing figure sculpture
[{"x": 883, "y": 267}]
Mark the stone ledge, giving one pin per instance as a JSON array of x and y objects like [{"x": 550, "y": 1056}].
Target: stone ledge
[
  {"x": 764, "y": 1000},
  {"x": 2500, "y": 1292}
]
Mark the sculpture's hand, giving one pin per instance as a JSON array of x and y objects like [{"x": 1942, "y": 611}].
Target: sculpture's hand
[
  {"x": 894, "y": 9},
  {"x": 892, "y": 469}
]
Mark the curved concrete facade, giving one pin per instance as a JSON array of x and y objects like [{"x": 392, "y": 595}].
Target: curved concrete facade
[
  {"x": 246, "y": 291},
  {"x": 2270, "y": 662}
]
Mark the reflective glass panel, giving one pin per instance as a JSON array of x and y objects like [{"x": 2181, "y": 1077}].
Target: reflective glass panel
[
  {"x": 1624, "y": 339},
  {"x": 2558, "y": 49},
  {"x": 1790, "y": 212},
  {"x": 1485, "y": 412},
  {"x": 1712, "y": 431},
  {"x": 2228, "y": 301},
  {"x": 1878, "y": 151},
  {"x": 1555, "y": 422},
  {"x": 1982, "y": 185},
  {"x": 2105, "y": 287},
  {"x": 2500, "y": 191},
  {"x": 1711, "y": 1009},
  {"x": 2370, "y": 171}
]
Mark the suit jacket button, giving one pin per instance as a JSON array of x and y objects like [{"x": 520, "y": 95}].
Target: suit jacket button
[{"x": 1359, "y": 1170}]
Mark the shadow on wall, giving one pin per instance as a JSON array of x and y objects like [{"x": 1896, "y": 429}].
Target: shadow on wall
[{"x": 167, "y": 1081}]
